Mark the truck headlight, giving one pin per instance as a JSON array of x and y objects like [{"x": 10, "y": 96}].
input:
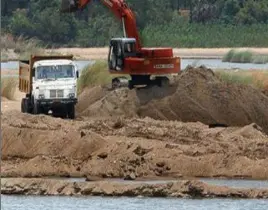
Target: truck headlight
[
  {"x": 41, "y": 96},
  {"x": 71, "y": 95}
]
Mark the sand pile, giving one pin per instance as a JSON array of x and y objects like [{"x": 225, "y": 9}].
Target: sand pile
[
  {"x": 114, "y": 137},
  {"x": 28, "y": 136},
  {"x": 196, "y": 96},
  {"x": 45, "y": 146}
]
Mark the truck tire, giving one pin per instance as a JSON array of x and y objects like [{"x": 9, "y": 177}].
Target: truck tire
[
  {"x": 71, "y": 111},
  {"x": 23, "y": 109},
  {"x": 27, "y": 106},
  {"x": 36, "y": 109},
  {"x": 59, "y": 112}
]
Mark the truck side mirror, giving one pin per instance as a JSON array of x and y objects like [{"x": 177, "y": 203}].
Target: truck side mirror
[{"x": 77, "y": 74}]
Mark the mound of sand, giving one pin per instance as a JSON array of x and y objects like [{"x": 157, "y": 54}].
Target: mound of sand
[
  {"x": 31, "y": 136},
  {"x": 197, "y": 95},
  {"x": 44, "y": 146},
  {"x": 115, "y": 137}
]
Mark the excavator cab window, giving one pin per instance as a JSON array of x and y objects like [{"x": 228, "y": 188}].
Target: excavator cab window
[
  {"x": 116, "y": 55},
  {"x": 129, "y": 48},
  {"x": 120, "y": 49}
]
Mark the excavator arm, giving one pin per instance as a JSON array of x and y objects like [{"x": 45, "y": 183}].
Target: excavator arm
[{"x": 120, "y": 10}]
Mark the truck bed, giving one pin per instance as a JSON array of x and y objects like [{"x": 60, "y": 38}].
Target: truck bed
[{"x": 25, "y": 76}]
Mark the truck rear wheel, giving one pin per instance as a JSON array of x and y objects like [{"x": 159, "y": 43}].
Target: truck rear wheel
[
  {"x": 71, "y": 111},
  {"x": 25, "y": 106},
  {"x": 23, "y": 103}
]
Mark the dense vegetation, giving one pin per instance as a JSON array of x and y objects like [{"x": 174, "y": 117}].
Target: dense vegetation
[{"x": 176, "y": 23}]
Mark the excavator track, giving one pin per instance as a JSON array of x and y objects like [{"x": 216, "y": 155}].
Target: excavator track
[
  {"x": 120, "y": 82},
  {"x": 140, "y": 81}
]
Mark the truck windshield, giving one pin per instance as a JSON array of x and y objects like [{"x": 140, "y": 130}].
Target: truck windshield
[{"x": 55, "y": 72}]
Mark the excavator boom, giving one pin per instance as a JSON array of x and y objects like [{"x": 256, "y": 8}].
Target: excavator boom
[{"x": 119, "y": 9}]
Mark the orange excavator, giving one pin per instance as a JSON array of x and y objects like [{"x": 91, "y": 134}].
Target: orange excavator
[{"x": 126, "y": 55}]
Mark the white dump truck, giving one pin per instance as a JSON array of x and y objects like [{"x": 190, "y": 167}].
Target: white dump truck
[{"x": 50, "y": 84}]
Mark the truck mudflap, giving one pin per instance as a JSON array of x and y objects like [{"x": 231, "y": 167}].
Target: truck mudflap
[{"x": 56, "y": 101}]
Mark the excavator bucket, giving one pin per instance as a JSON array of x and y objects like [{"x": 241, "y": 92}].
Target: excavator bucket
[{"x": 68, "y": 6}]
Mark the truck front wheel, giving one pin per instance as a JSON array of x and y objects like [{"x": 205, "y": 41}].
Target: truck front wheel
[
  {"x": 37, "y": 109},
  {"x": 71, "y": 111}
]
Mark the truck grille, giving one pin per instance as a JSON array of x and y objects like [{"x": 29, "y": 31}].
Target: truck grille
[{"x": 56, "y": 94}]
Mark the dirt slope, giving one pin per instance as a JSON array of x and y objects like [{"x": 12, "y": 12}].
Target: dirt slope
[
  {"x": 197, "y": 95},
  {"x": 43, "y": 146}
]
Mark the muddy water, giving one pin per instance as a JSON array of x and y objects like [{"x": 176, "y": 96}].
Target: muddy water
[
  {"x": 210, "y": 63},
  {"x": 99, "y": 203}
]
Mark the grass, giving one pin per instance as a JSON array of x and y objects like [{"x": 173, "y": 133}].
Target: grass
[
  {"x": 97, "y": 74},
  {"x": 8, "y": 87},
  {"x": 257, "y": 78},
  {"x": 244, "y": 57}
]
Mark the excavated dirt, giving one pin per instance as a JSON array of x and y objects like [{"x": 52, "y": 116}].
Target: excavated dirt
[
  {"x": 180, "y": 189},
  {"x": 149, "y": 132},
  {"x": 44, "y": 146},
  {"x": 197, "y": 95}
]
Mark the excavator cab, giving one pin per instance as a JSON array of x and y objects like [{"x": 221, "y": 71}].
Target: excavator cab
[{"x": 121, "y": 48}]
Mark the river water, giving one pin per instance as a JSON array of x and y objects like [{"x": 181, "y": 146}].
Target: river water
[
  {"x": 210, "y": 63},
  {"x": 123, "y": 203}
]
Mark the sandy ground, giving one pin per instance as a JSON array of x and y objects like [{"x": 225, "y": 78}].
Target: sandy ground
[
  {"x": 101, "y": 53},
  {"x": 144, "y": 133}
]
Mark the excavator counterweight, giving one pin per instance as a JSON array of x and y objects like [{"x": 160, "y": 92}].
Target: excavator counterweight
[{"x": 126, "y": 54}]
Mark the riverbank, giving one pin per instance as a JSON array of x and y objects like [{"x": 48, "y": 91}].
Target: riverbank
[
  {"x": 102, "y": 53},
  {"x": 179, "y": 189},
  {"x": 188, "y": 53}
]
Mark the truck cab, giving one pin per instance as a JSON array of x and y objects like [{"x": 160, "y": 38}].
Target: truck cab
[{"x": 53, "y": 87}]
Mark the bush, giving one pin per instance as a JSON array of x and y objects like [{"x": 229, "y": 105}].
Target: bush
[
  {"x": 260, "y": 59},
  {"x": 244, "y": 57},
  {"x": 258, "y": 79},
  {"x": 97, "y": 74},
  {"x": 228, "y": 57}
]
